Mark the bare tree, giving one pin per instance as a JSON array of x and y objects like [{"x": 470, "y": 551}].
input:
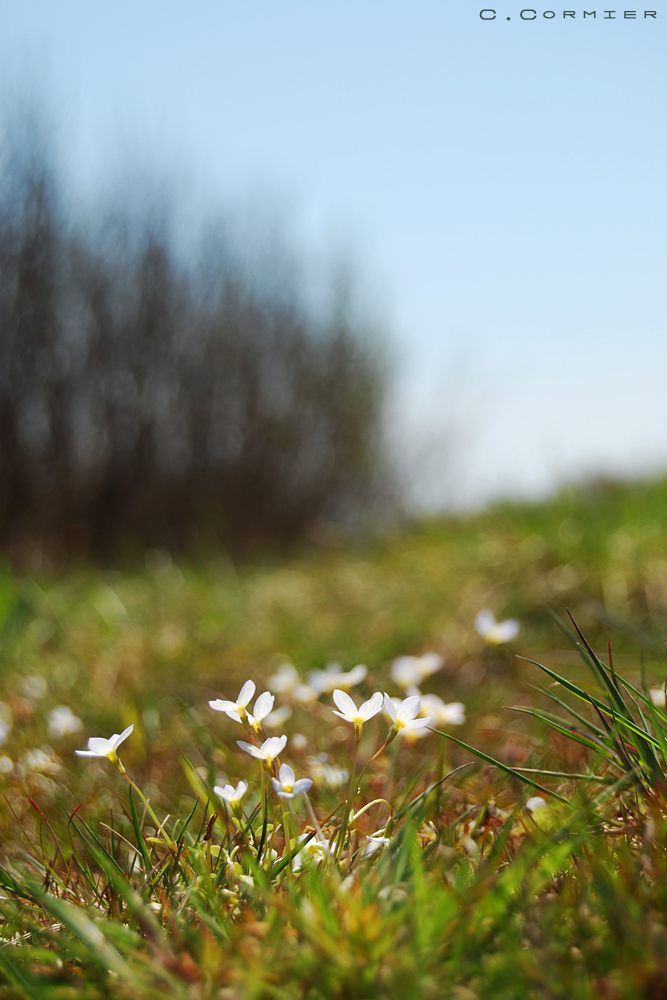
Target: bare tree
[{"x": 150, "y": 399}]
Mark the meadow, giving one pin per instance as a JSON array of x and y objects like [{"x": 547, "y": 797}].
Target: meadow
[{"x": 512, "y": 846}]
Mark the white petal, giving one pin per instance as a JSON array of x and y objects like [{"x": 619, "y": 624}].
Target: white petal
[
  {"x": 537, "y": 802},
  {"x": 277, "y": 717},
  {"x": 301, "y": 786},
  {"x": 658, "y": 697},
  {"x": 320, "y": 681},
  {"x": 245, "y": 694},
  {"x": 249, "y": 748},
  {"x": 485, "y": 622},
  {"x": 431, "y": 705},
  {"x": 340, "y": 715},
  {"x": 389, "y": 707},
  {"x": 273, "y": 746},
  {"x": 416, "y": 724},
  {"x": 506, "y": 631},
  {"x": 408, "y": 709},
  {"x": 117, "y": 740},
  {"x": 405, "y": 671},
  {"x": 241, "y": 789},
  {"x": 286, "y": 795},
  {"x": 345, "y": 703},
  {"x": 277, "y": 787},
  {"x": 88, "y": 753},
  {"x": 411, "y": 734},
  {"x": 286, "y": 774},
  {"x": 304, "y": 693},
  {"x": 100, "y": 746},
  {"x": 374, "y": 844},
  {"x": 284, "y": 679},
  {"x": 355, "y": 675},
  {"x": 263, "y": 706},
  {"x": 225, "y": 792},
  {"x": 430, "y": 663},
  {"x": 219, "y": 705},
  {"x": 372, "y": 706},
  {"x": 453, "y": 713}
]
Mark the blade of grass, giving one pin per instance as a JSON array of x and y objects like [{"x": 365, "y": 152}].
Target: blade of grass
[{"x": 503, "y": 767}]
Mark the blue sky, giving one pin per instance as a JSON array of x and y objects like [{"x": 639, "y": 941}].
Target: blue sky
[{"x": 500, "y": 184}]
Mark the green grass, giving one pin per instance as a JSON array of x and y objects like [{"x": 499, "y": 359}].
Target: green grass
[{"x": 473, "y": 896}]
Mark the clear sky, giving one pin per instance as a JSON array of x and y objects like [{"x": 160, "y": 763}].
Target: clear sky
[{"x": 500, "y": 183}]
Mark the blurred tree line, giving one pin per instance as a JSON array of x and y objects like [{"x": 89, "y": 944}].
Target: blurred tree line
[{"x": 154, "y": 397}]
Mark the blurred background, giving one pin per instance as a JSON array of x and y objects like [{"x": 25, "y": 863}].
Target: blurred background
[
  {"x": 272, "y": 272},
  {"x": 323, "y": 329}
]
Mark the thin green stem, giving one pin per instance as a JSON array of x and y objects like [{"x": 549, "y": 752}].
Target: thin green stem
[
  {"x": 354, "y": 785},
  {"x": 348, "y": 803},
  {"x": 263, "y": 778},
  {"x": 149, "y": 807},
  {"x": 288, "y": 840}
]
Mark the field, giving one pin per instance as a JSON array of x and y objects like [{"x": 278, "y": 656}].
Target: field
[{"x": 518, "y": 851}]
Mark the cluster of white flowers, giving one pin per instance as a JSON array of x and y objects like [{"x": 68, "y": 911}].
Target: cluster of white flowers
[
  {"x": 287, "y": 682},
  {"x": 284, "y": 782},
  {"x": 327, "y": 775},
  {"x": 407, "y": 716},
  {"x": 412, "y": 716},
  {"x": 409, "y": 672}
]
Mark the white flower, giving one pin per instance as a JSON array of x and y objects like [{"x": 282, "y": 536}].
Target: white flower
[
  {"x": 304, "y": 694},
  {"x": 99, "y": 747},
  {"x": 276, "y": 718},
  {"x": 537, "y": 802},
  {"x": 232, "y": 796},
  {"x": 317, "y": 848},
  {"x": 285, "y": 784},
  {"x": 374, "y": 844},
  {"x": 352, "y": 677},
  {"x": 263, "y": 707},
  {"x": 442, "y": 713},
  {"x": 284, "y": 680},
  {"x": 268, "y": 751},
  {"x": 324, "y": 681},
  {"x": 236, "y": 710},
  {"x": 41, "y": 761},
  {"x": 495, "y": 632},
  {"x": 331, "y": 776},
  {"x": 658, "y": 697},
  {"x": 63, "y": 722},
  {"x": 404, "y": 715},
  {"x": 409, "y": 670},
  {"x": 357, "y": 716}
]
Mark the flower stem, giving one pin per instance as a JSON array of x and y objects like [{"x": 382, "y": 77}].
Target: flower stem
[
  {"x": 348, "y": 804},
  {"x": 354, "y": 785},
  {"x": 150, "y": 809},
  {"x": 288, "y": 839}
]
